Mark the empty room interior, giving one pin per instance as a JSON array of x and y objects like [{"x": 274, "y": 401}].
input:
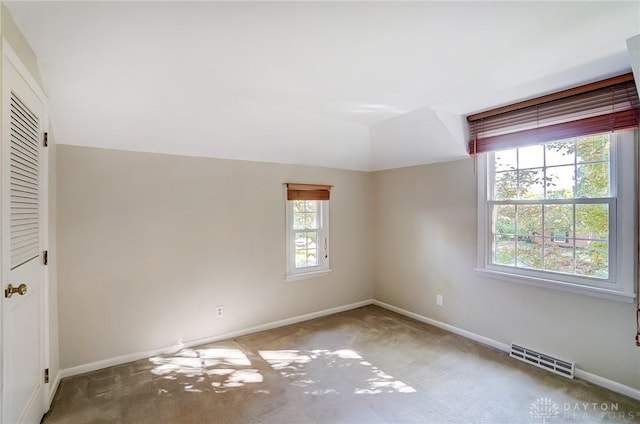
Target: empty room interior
[{"x": 319, "y": 212}]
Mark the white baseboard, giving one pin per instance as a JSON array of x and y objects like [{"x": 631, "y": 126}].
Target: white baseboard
[
  {"x": 450, "y": 328},
  {"x": 579, "y": 373},
  {"x": 123, "y": 359},
  {"x": 53, "y": 388},
  {"x": 614, "y": 386}
]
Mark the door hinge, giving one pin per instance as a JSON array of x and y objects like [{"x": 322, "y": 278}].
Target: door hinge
[
  {"x": 45, "y": 257},
  {"x": 46, "y": 375},
  {"x": 45, "y": 139}
]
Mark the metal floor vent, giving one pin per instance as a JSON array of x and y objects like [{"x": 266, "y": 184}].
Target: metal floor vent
[{"x": 541, "y": 360}]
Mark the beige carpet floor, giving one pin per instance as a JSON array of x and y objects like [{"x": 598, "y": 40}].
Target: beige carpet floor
[{"x": 367, "y": 365}]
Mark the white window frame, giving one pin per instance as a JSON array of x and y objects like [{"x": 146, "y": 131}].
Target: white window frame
[
  {"x": 294, "y": 273},
  {"x": 622, "y": 266}
]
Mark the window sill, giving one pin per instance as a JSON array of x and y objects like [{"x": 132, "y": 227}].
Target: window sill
[
  {"x": 560, "y": 285},
  {"x": 305, "y": 275}
]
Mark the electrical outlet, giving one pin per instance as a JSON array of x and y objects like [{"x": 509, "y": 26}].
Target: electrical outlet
[
  {"x": 219, "y": 311},
  {"x": 439, "y": 300}
]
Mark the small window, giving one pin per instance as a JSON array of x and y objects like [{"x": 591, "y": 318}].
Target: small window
[{"x": 307, "y": 230}]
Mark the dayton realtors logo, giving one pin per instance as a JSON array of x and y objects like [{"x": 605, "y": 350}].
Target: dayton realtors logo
[{"x": 544, "y": 409}]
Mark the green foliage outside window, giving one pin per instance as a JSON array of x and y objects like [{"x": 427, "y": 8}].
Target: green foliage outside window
[
  {"x": 306, "y": 225},
  {"x": 570, "y": 237}
]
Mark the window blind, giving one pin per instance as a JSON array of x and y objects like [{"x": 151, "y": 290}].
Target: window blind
[
  {"x": 297, "y": 191},
  {"x": 604, "y": 106}
]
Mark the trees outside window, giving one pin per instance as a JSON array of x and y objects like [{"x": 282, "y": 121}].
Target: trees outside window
[{"x": 551, "y": 207}]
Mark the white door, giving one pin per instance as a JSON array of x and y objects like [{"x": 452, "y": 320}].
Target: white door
[{"x": 23, "y": 238}]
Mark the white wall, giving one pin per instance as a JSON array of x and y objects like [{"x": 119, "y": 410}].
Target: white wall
[
  {"x": 633, "y": 47},
  {"x": 20, "y": 45},
  {"x": 425, "y": 244},
  {"x": 149, "y": 244}
]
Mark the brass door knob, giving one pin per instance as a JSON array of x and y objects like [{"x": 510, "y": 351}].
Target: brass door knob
[{"x": 10, "y": 290}]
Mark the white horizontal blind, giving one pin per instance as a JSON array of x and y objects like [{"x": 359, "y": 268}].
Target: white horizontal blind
[{"x": 24, "y": 184}]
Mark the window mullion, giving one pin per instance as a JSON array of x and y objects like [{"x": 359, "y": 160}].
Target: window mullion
[
  {"x": 575, "y": 169},
  {"x": 518, "y": 174},
  {"x": 515, "y": 237},
  {"x": 573, "y": 236},
  {"x": 579, "y": 201},
  {"x": 544, "y": 245},
  {"x": 544, "y": 173}
]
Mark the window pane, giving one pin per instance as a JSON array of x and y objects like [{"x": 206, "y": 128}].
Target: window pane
[
  {"x": 558, "y": 219},
  {"x": 593, "y": 180},
  {"x": 305, "y": 215},
  {"x": 560, "y": 182},
  {"x": 530, "y": 253},
  {"x": 505, "y": 185},
  {"x": 301, "y": 240},
  {"x": 593, "y": 148},
  {"x": 505, "y": 219},
  {"x": 558, "y": 254},
  {"x": 306, "y": 258},
  {"x": 592, "y": 221},
  {"x": 298, "y": 211},
  {"x": 310, "y": 205},
  {"x": 504, "y": 250},
  {"x": 506, "y": 160},
  {"x": 531, "y": 157},
  {"x": 531, "y": 184},
  {"x": 306, "y": 249},
  {"x": 298, "y": 221},
  {"x": 310, "y": 220},
  {"x": 560, "y": 152},
  {"x": 305, "y": 220},
  {"x": 529, "y": 220},
  {"x": 592, "y": 258}
]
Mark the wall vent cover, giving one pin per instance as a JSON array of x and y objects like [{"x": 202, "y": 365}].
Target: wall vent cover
[{"x": 541, "y": 360}]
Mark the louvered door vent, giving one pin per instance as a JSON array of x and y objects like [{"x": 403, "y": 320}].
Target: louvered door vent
[
  {"x": 24, "y": 180},
  {"x": 541, "y": 360}
]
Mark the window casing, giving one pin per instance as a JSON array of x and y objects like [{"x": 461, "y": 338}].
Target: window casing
[
  {"x": 539, "y": 224},
  {"x": 307, "y": 224}
]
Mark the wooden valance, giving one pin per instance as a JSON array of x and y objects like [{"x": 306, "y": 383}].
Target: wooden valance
[{"x": 296, "y": 191}]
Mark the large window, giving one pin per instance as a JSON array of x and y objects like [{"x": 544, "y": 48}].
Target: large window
[
  {"x": 556, "y": 191},
  {"x": 550, "y": 207},
  {"x": 307, "y": 230},
  {"x": 550, "y": 212}
]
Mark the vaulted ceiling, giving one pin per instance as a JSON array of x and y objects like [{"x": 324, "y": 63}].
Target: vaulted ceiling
[{"x": 354, "y": 85}]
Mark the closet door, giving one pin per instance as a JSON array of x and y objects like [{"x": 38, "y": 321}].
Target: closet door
[{"x": 23, "y": 231}]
